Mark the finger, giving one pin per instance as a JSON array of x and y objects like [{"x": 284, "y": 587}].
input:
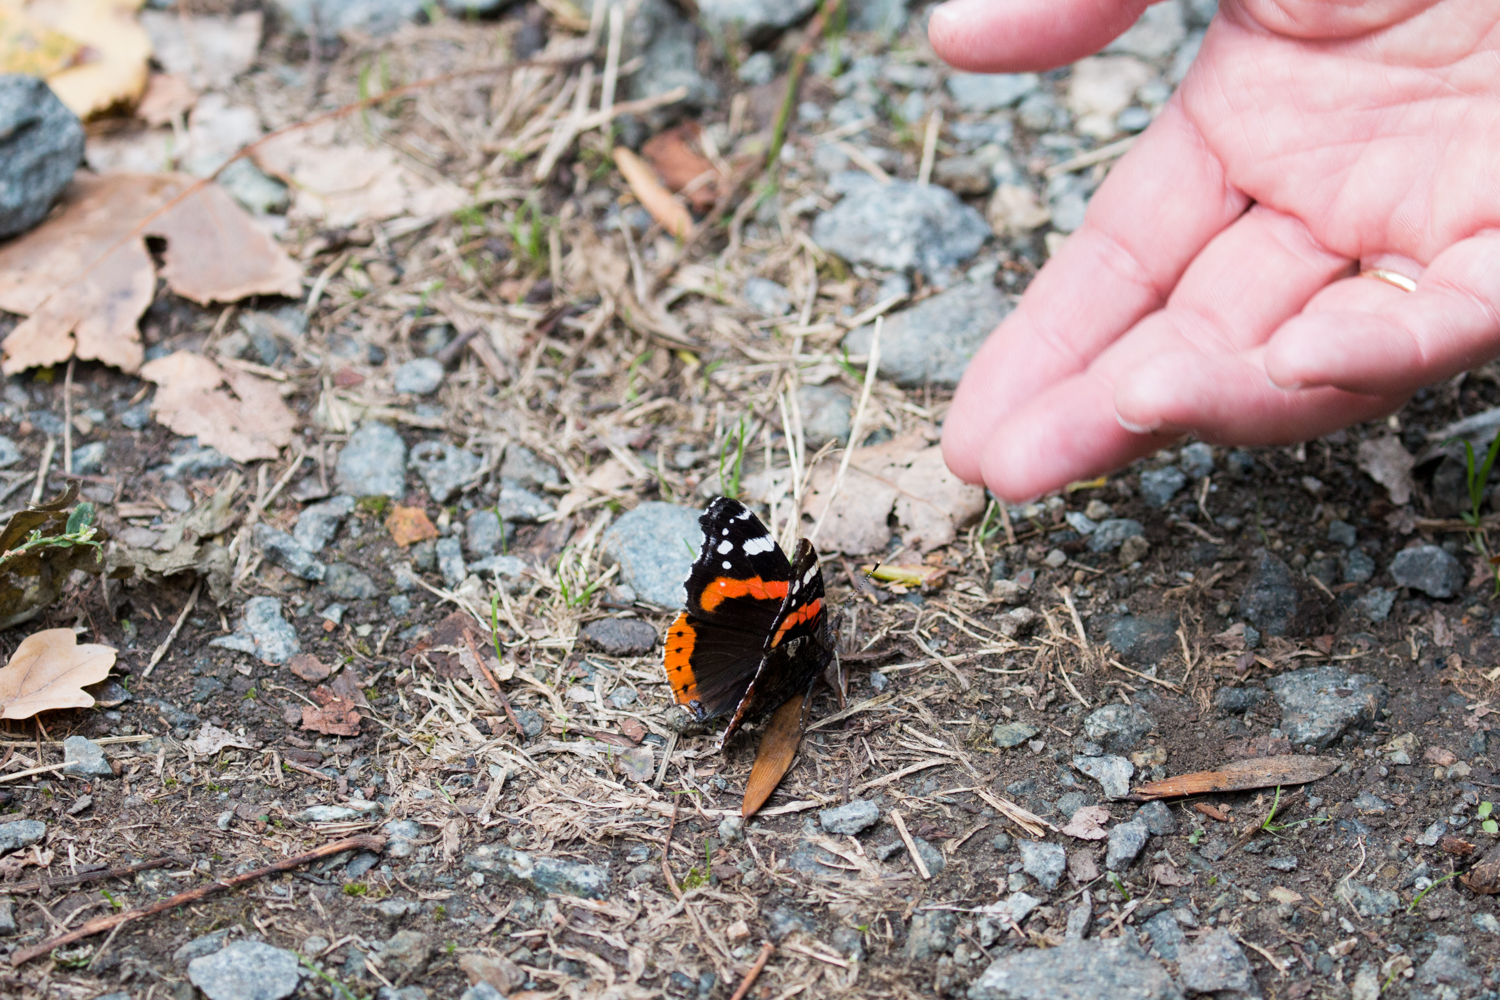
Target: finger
[
  {"x": 1225, "y": 398},
  {"x": 1451, "y": 323},
  {"x": 985, "y": 36},
  {"x": 1159, "y": 206}
]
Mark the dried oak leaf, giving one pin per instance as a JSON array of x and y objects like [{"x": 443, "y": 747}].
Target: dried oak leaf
[
  {"x": 333, "y": 715},
  {"x": 250, "y": 424},
  {"x": 83, "y": 278},
  {"x": 211, "y": 739},
  {"x": 49, "y": 670},
  {"x": 1088, "y": 823},
  {"x": 409, "y": 525}
]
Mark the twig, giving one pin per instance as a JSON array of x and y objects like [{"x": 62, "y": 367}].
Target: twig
[
  {"x": 48, "y": 450},
  {"x": 367, "y": 842},
  {"x": 963, "y": 681},
  {"x": 1145, "y": 677},
  {"x": 810, "y": 39},
  {"x": 911, "y": 845},
  {"x": 166, "y": 643},
  {"x": 288, "y": 762},
  {"x": 1083, "y": 639},
  {"x": 612, "y": 59},
  {"x": 929, "y": 146},
  {"x": 34, "y": 770},
  {"x": 1090, "y": 158},
  {"x": 68, "y": 418},
  {"x": 91, "y": 875},
  {"x": 666, "y": 850},
  {"x": 871, "y": 366},
  {"x": 754, "y": 973}
]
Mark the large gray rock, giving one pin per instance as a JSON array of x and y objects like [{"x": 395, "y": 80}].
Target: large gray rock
[
  {"x": 1318, "y": 704},
  {"x": 931, "y": 934},
  {"x": 1270, "y": 598},
  {"x": 1113, "y": 969},
  {"x": 888, "y": 17},
  {"x": 1429, "y": 569},
  {"x": 655, "y": 545},
  {"x": 41, "y": 144},
  {"x": 1117, "y": 728},
  {"x": 850, "y": 818},
  {"x": 825, "y": 414},
  {"x": 373, "y": 462},
  {"x": 753, "y": 21},
  {"x": 1216, "y": 964},
  {"x": 1448, "y": 966},
  {"x": 541, "y": 875},
  {"x": 444, "y": 468},
  {"x": 1166, "y": 935},
  {"x": 901, "y": 226},
  {"x": 931, "y": 343},
  {"x": 19, "y": 833},
  {"x": 263, "y": 633},
  {"x": 1113, "y": 773},
  {"x": 85, "y": 758},
  {"x": 318, "y": 524},
  {"x": 1043, "y": 861},
  {"x": 667, "y": 43},
  {"x": 1158, "y": 32},
  {"x": 1125, "y": 844},
  {"x": 332, "y": 18},
  {"x": 1142, "y": 639},
  {"x": 246, "y": 970},
  {"x": 1111, "y": 533}
]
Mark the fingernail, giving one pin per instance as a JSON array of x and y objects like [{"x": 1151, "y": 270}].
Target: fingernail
[
  {"x": 1136, "y": 428},
  {"x": 1289, "y": 387}
]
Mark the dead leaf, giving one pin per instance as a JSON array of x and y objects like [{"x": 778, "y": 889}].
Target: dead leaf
[
  {"x": 205, "y": 50},
  {"x": 112, "y": 69},
  {"x": 1284, "y": 895},
  {"x": 908, "y": 576},
  {"x": 250, "y": 424},
  {"x": 1165, "y": 874},
  {"x": 654, "y": 198},
  {"x": 1241, "y": 775},
  {"x": 308, "y": 667},
  {"x": 678, "y": 164},
  {"x": 341, "y": 183},
  {"x": 1484, "y": 878},
  {"x": 49, "y": 670},
  {"x": 409, "y": 525},
  {"x": 333, "y": 715},
  {"x": 83, "y": 278},
  {"x": 1456, "y": 846},
  {"x": 38, "y": 554},
  {"x": 1387, "y": 461},
  {"x": 777, "y": 750},
  {"x": 905, "y": 475},
  {"x": 1088, "y": 823},
  {"x": 1212, "y": 811},
  {"x": 211, "y": 739},
  {"x": 29, "y": 47},
  {"x": 440, "y": 648},
  {"x": 166, "y": 98},
  {"x": 1441, "y": 756},
  {"x": 348, "y": 685}
]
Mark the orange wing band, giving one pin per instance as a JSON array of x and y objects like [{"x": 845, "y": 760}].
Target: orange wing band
[
  {"x": 677, "y": 660},
  {"x": 722, "y": 589},
  {"x": 806, "y": 613}
]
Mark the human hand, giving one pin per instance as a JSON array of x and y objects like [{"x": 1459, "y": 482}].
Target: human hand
[{"x": 1214, "y": 285}]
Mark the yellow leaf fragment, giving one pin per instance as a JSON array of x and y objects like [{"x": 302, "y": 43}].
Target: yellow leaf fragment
[
  {"x": 114, "y": 71},
  {"x": 27, "y": 46},
  {"x": 49, "y": 670}
]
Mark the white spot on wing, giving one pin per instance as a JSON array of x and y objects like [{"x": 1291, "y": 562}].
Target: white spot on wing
[
  {"x": 726, "y": 531},
  {"x": 743, "y": 515},
  {"x": 726, "y": 547},
  {"x": 755, "y": 546},
  {"x": 726, "y": 565}
]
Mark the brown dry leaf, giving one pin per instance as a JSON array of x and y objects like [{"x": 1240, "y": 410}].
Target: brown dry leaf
[
  {"x": 341, "y": 183},
  {"x": 83, "y": 278},
  {"x": 211, "y": 739},
  {"x": 1441, "y": 756},
  {"x": 1242, "y": 775},
  {"x": 116, "y": 50},
  {"x": 439, "y": 649},
  {"x": 777, "y": 750},
  {"x": 1456, "y": 846},
  {"x": 906, "y": 475},
  {"x": 1484, "y": 878},
  {"x": 334, "y": 716},
  {"x": 349, "y": 686},
  {"x": 248, "y": 424},
  {"x": 409, "y": 525},
  {"x": 678, "y": 164},
  {"x": 1212, "y": 811},
  {"x": 308, "y": 667},
  {"x": 1387, "y": 461},
  {"x": 1088, "y": 823},
  {"x": 654, "y": 198},
  {"x": 166, "y": 97},
  {"x": 1165, "y": 874},
  {"x": 49, "y": 670}
]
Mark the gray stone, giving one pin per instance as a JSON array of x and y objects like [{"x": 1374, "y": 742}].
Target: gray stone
[
  {"x": 319, "y": 523},
  {"x": 931, "y": 343},
  {"x": 1342, "y": 533},
  {"x": 263, "y": 633},
  {"x": 1487, "y": 922},
  {"x": 332, "y": 18},
  {"x": 1157, "y": 33},
  {"x": 450, "y": 560},
  {"x": 405, "y": 954},
  {"x": 204, "y": 944},
  {"x": 1358, "y": 567},
  {"x": 1117, "y": 728},
  {"x": 481, "y": 991},
  {"x": 1429, "y": 569},
  {"x": 522, "y": 467},
  {"x": 1370, "y": 902},
  {"x": 8, "y": 925},
  {"x": 1166, "y": 935},
  {"x": 521, "y": 505},
  {"x": 990, "y": 91},
  {"x": 88, "y": 459},
  {"x": 246, "y": 970},
  {"x": 1070, "y": 802},
  {"x": 1159, "y": 486},
  {"x": 1108, "y": 535},
  {"x": 758, "y": 70},
  {"x": 1158, "y": 818},
  {"x": 901, "y": 226},
  {"x": 248, "y": 185},
  {"x": 1043, "y": 861},
  {"x": 420, "y": 376},
  {"x": 667, "y": 44},
  {"x": 282, "y": 549},
  {"x": 1448, "y": 966},
  {"x": 1375, "y": 605},
  {"x": 1285, "y": 863},
  {"x": 655, "y": 545},
  {"x": 767, "y": 297},
  {"x": 621, "y": 636},
  {"x": 1215, "y": 849},
  {"x": 1197, "y": 460},
  {"x": 1112, "y": 969},
  {"x": 349, "y": 584},
  {"x": 1270, "y": 598},
  {"x": 930, "y": 934},
  {"x": 931, "y": 856},
  {"x": 484, "y": 532},
  {"x": 1126, "y": 840},
  {"x": 850, "y": 818},
  {"x": 1370, "y": 804},
  {"x": 19, "y": 833},
  {"x": 401, "y": 837},
  {"x": 373, "y": 462},
  {"x": 825, "y": 414},
  {"x": 1113, "y": 773},
  {"x": 444, "y": 468},
  {"x": 753, "y": 21},
  {"x": 1012, "y": 734},
  {"x": 85, "y": 758},
  {"x": 1142, "y": 639},
  {"x": 1216, "y": 964},
  {"x": 9, "y": 453},
  {"x": 541, "y": 875},
  {"x": 194, "y": 462},
  {"x": 1318, "y": 704},
  {"x": 1233, "y": 700},
  {"x": 509, "y": 571},
  {"x": 41, "y": 145},
  {"x": 785, "y": 921}
]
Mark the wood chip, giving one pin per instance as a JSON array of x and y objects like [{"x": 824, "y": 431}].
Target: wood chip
[{"x": 1240, "y": 775}]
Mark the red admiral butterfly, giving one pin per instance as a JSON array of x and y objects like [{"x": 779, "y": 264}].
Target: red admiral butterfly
[{"x": 756, "y": 631}]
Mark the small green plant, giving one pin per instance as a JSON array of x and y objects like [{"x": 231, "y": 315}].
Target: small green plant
[
  {"x": 528, "y": 234},
  {"x": 572, "y": 582},
  {"x": 1195, "y": 836},
  {"x": 731, "y": 486},
  {"x": 1419, "y": 896},
  {"x": 1477, "y": 477},
  {"x": 340, "y": 991},
  {"x": 1119, "y": 885},
  {"x": 79, "y": 531},
  {"x": 471, "y": 219},
  {"x": 356, "y": 889},
  {"x": 440, "y": 912},
  {"x": 1487, "y": 822},
  {"x": 1269, "y": 824},
  {"x": 695, "y": 879},
  {"x": 111, "y": 900},
  {"x": 375, "y": 506}
]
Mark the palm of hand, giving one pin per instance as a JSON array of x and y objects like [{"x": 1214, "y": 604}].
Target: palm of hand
[{"x": 1175, "y": 308}]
